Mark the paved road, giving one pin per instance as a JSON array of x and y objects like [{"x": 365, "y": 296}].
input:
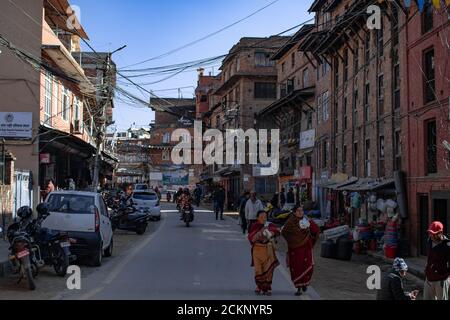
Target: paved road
[{"x": 210, "y": 260}]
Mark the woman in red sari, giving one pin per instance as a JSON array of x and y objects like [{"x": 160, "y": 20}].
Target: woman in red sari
[
  {"x": 264, "y": 259},
  {"x": 301, "y": 235}
]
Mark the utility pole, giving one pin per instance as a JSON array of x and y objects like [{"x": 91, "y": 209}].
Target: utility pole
[{"x": 101, "y": 134}]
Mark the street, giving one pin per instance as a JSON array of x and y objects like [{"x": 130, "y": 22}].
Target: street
[{"x": 209, "y": 261}]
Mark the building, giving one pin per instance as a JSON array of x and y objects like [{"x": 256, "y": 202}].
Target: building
[
  {"x": 294, "y": 114},
  {"x": 172, "y": 114},
  {"x": 426, "y": 125},
  {"x": 248, "y": 84},
  {"x": 132, "y": 150},
  {"x": 48, "y": 101}
]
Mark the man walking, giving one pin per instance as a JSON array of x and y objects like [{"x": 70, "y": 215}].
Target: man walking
[
  {"x": 242, "y": 203},
  {"x": 437, "y": 272},
  {"x": 198, "y": 195},
  {"x": 253, "y": 206},
  {"x": 282, "y": 198},
  {"x": 219, "y": 202}
]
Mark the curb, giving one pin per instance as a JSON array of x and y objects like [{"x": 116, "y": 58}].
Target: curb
[{"x": 414, "y": 270}]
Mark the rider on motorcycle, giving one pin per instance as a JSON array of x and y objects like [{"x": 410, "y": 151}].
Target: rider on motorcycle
[
  {"x": 186, "y": 200},
  {"x": 126, "y": 201}
]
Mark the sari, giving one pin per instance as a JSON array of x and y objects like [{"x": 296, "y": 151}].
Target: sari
[
  {"x": 264, "y": 259},
  {"x": 300, "y": 259}
]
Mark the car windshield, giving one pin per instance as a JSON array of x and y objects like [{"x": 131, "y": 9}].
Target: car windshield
[
  {"x": 141, "y": 187},
  {"x": 74, "y": 204},
  {"x": 145, "y": 196}
]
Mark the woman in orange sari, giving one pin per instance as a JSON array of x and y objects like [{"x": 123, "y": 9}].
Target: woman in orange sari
[
  {"x": 264, "y": 259},
  {"x": 301, "y": 235}
]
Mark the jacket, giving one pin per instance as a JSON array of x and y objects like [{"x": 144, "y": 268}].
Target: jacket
[
  {"x": 438, "y": 264},
  {"x": 252, "y": 209},
  {"x": 392, "y": 288},
  {"x": 219, "y": 197}
]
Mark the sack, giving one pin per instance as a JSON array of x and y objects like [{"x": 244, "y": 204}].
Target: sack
[{"x": 280, "y": 244}]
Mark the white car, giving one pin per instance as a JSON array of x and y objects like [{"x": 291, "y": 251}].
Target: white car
[
  {"x": 147, "y": 201},
  {"x": 141, "y": 187},
  {"x": 84, "y": 216}
]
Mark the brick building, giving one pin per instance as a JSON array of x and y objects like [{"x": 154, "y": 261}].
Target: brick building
[
  {"x": 163, "y": 170},
  {"x": 426, "y": 124},
  {"x": 293, "y": 113},
  {"x": 248, "y": 84}
]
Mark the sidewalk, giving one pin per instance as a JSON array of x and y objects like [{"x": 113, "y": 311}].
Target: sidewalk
[{"x": 4, "y": 263}]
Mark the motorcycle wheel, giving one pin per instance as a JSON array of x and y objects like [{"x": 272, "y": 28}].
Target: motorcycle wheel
[
  {"x": 188, "y": 224},
  {"x": 60, "y": 262},
  {"x": 141, "y": 229},
  {"x": 28, "y": 273}
]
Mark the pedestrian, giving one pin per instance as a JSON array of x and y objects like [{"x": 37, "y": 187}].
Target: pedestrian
[
  {"x": 158, "y": 193},
  {"x": 392, "y": 287},
  {"x": 219, "y": 202},
  {"x": 437, "y": 271},
  {"x": 242, "y": 203},
  {"x": 198, "y": 195},
  {"x": 252, "y": 207},
  {"x": 282, "y": 198},
  {"x": 264, "y": 258},
  {"x": 275, "y": 202},
  {"x": 49, "y": 188},
  {"x": 290, "y": 198},
  {"x": 301, "y": 235}
]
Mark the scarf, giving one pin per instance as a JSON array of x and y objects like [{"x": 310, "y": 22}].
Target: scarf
[{"x": 294, "y": 235}]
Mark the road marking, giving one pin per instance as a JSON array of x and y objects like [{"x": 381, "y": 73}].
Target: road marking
[{"x": 116, "y": 271}]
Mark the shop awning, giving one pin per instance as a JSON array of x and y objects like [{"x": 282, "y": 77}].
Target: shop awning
[{"x": 369, "y": 185}]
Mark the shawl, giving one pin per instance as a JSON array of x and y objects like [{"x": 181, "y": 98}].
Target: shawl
[{"x": 294, "y": 235}]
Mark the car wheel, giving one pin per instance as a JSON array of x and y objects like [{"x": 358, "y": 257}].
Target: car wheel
[
  {"x": 109, "y": 250},
  {"x": 96, "y": 259}
]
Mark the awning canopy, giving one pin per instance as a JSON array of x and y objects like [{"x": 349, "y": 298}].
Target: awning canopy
[
  {"x": 64, "y": 60},
  {"x": 368, "y": 185},
  {"x": 297, "y": 96}
]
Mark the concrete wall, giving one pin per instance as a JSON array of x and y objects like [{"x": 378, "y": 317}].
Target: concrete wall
[{"x": 19, "y": 82}]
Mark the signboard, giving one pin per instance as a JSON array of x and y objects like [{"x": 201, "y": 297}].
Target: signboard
[
  {"x": 306, "y": 173},
  {"x": 17, "y": 125},
  {"x": 156, "y": 176},
  {"x": 307, "y": 139},
  {"x": 44, "y": 158},
  {"x": 176, "y": 178}
]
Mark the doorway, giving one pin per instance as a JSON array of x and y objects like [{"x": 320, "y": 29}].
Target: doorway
[
  {"x": 441, "y": 214},
  {"x": 424, "y": 223}
]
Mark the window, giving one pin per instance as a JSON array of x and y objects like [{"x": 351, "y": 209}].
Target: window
[
  {"x": 427, "y": 18},
  {"x": 355, "y": 159},
  {"x": 336, "y": 160},
  {"x": 344, "y": 107},
  {"x": 166, "y": 138},
  {"x": 238, "y": 64},
  {"x": 327, "y": 20},
  {"x": 293, "y": 60},
  {"x": 77, "y": 109},
  {"x": 344, "y": 158},
  {"x": 283, "y": 67},
  {"x": 262, "y": 59},
  {"x": 397, "y": 87},
  {"x": 290, "y": 85},
  {"x": 336, "y": 118},
  {"x": 398, "y": 150},
  {"x": 265, "y": 90},
  {"x": 319, "y": 109},
  {"x": 283, "y": 90},
  {"x": 380, "y": 40},
  {"x": 309, "y": 160},
  {"x": 309, "y": 120},
  {"x": 382, "y": 157},
  {"x": 431, "y": 147},
  {"x": 48, "y": 97},
  {"x": 381, "y": 95},
  {"x": 336, "y": 73},
  {"x": 204, "y": 98},
  {"x": 367, "y": 48},
  {"x": 325, "y": 68},
  {"x": 394, "y": 25},
  {"x": 166, "y": 155},
  {"x": 355, "y": 109},
  {"x": 429, "y": 77},
  {"x": 367, "y": 103},
  {"x": 367, "y": 159},
  {"x": 306, "y": 78},
  {"x": 356, "y": 59},
  {"x": 65, "y": 104},
  {"x": 324, "y": 154},
  {"x": 326, "y": 106},
  {"x": 345, "y": 65}
]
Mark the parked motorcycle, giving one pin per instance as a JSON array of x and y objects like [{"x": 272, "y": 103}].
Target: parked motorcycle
[
  {"x": 188, "y": 215},
  {"x": 128, "y": 219},
  {"x": 22, "y": 252},
  {"x": 54, "y": 247}
]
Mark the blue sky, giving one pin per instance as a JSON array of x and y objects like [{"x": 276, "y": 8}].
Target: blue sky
[{"x": 150, "y": 28}]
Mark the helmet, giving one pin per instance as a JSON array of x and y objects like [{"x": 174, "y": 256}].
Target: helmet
[
  {"x": 25, "y": 213},
  {"x": 43, "y": 209}
]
